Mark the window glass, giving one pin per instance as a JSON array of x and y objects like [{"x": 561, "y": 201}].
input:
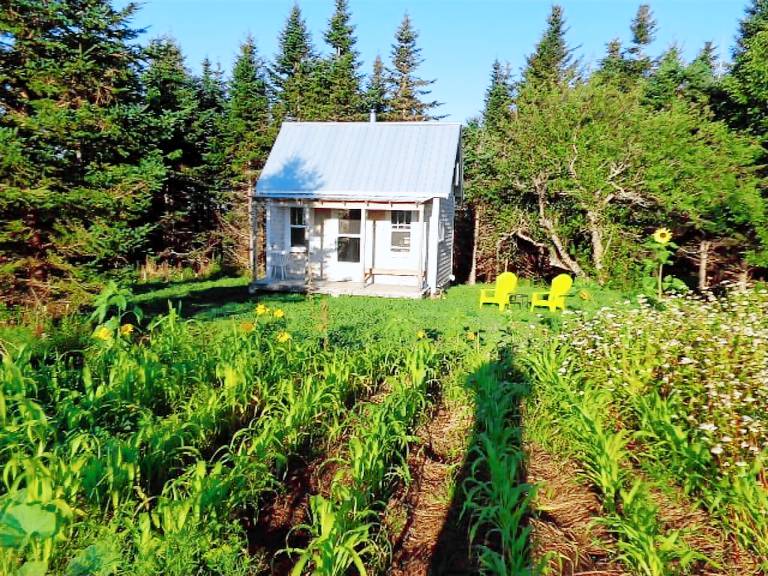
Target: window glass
[
  {"x": 400, "y": 240},
  {"x": 348, "y": 249},
  {"x": 349, "y": 221},
  {"x": 298, "y": 228}
]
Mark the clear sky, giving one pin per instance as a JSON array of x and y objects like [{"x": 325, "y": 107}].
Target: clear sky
[{"x": 459, "y": 38}]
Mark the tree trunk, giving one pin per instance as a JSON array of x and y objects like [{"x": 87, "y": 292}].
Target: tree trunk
[
  {"x": 598, "y": 250},
  {"x": 563, "y": 259},
  {"x": 475, "y": 238},
  {"x": 704, "y": 247}
]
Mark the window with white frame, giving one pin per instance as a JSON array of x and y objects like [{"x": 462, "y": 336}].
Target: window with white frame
[
  {"x": 401, "y": 231},
  {"x": 298, "y": 228},
  {"x": 348, "y": 242}
]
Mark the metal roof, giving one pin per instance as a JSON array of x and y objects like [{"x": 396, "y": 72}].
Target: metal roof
[{"x": 361, "y": 160}]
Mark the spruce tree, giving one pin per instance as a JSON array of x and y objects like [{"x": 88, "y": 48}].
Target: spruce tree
[
  {"x": 747, "y": 84},
  {"x": 293, "y": 68},
  {"x": 643, "y": 30},
  {"x": 498, "y": 97},
  {"x": 376, "y": 97},
  {"x": 171, "y": 100},
  {"x": 551, "y": 62},
  {"x": 343, "y": 99},
  {"x": 406, "y": 89},
  {"x": 248, "y": 137},
  {"x": 76, "y": 169}
]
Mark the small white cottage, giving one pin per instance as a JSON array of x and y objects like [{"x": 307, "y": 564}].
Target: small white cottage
[{"x": 361, "y": 207}]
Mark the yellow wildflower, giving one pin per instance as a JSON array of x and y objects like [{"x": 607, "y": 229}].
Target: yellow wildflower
[
  {"x": 261, "y": 310},
  {"x": 421, "y": 334},
  {"x": 662, "y": 235},
  {"x": 279, "y": 313},
  {"x": 584, "y": 295},
  {"x": 283, "y": 336},
  {"x": 247, "y": 326},
  {"x": 126, "y": 329},
  {"x": 471, "y": 336},
  {"x": 103, "y": 333}
]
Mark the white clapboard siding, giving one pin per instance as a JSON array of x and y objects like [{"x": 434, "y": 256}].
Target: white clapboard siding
[{"x": 445, "y": 244}]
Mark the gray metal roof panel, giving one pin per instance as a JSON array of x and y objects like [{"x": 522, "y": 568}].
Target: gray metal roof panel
[{"x": 377, "y": 160}]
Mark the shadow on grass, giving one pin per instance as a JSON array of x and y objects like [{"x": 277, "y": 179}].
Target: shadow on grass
[{"x": 454, "y": 554}]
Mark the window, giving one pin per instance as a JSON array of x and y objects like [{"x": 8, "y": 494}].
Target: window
[
  {"x": 348, "y": 244},
  {"x": 298, "y": 228},
  {"x": 401, "y": 231}
]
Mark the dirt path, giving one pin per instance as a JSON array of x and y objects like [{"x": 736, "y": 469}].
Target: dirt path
[
  {"x": 427, "y": 534},
  {"x": 563, "y": 524}
]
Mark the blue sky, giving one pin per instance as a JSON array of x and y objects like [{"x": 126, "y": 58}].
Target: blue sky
[{"x": 459, "y": 38}]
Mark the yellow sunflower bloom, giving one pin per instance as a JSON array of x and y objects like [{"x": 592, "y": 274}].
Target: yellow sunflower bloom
[
  {"x": 261, "y": 310},
  {"x": 584, "y": 295},
  {"x": 247, "y": 326},
  {"x": 471, "y": 336},
  {"x": 103, "y": 333},
  {"x": 283, "y": 337},
  {"x": 421, "y": 334},
  {"x": 279, "y": 313},
  {"x": 662, "y": 235},
  {"x": 126, "y": 329}
]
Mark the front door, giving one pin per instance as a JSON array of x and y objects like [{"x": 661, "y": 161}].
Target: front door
[
  {"x": 342, "y": 240},
  {"x": 397, "y": 240}
]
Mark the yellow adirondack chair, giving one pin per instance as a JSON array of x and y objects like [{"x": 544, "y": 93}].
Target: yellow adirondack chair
[
  {"x": 506, "y": 284},
  {"x": 555, "y": 298}
]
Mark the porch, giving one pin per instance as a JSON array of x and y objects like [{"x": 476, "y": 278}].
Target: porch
[
  {"x": 347, "y": 248},
  {"x": 339, "y": 288}
]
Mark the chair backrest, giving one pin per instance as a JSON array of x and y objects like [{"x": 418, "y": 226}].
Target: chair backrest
[
  {"x": 561, "y": 284},
  {"x": 506, "y": 282}
]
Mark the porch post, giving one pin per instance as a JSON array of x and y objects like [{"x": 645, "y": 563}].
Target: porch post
[
  {"x": 422, "y": 241},
  {"x": 268, "y": 236},
  {"x": 363, "y": 238},
  {"x": 307, "y": 264}
]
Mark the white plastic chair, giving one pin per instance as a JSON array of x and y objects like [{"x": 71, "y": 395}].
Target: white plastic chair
[{"x": 279, "y": 263}]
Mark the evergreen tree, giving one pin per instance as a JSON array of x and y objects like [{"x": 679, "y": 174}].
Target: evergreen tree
[
  {"x": 498, "y": 97},
  {"x": 643, "y": 30},
  {"x": 376, "y": 93},
  {"x": 76, "y": 171},
  {"x": 668, "y": 79},
  {"x": 406, "y": 89},
  {"x": 293, "y": 69},
  {"x": 171, "y": 99},
  {"x": 613, "y": 66},
  {"x": 747, "y": 84},
  {"x": 343, "y": 96},
  {"x": 248, "y": 137},
  {"x": 551, "y": 61}
]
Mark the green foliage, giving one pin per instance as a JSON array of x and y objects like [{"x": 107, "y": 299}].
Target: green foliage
[
  {"x": 407, "y": 89},
  {"x": 551, "y": 62}
]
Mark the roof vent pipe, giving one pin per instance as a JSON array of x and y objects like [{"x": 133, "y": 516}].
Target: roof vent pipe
[{"x": 373, "y": 115}]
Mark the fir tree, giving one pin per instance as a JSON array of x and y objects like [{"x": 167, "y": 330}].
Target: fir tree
[
  {"x": 293, "y": 68},
  {"x": 643, "y": 30},
  {"x": 76, "y": 169},
  {"x": 498, "y": 97},
  {"x": 248, "y": 137},
  {"x": 376, "y": 93},
  {"x": 747, "y": 85},
  {"x": 171, "y": 99},
  {"x": 343, "y": 95},
  {"x": 406, "y": 89},
  {"x": 551, "y": 61}
]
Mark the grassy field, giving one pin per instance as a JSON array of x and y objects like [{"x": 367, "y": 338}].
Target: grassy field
[{"x": 222, "y": 433}]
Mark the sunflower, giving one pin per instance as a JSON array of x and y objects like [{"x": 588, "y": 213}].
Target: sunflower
[
  {"x": 283, "y": 336},
  {"x": 471, "y": 336},
  {"x": 584, "y": 295},
  {"x": 126, "y": 329},
  {"x": 662, "y": 235},
  {"x": 103, "y": 333},
  {"x": 261, "y": 310},
  {"x": 279, "y": 313},
  {"x": 421, "y": 334},
  {"x": 247, "y": 326}
]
